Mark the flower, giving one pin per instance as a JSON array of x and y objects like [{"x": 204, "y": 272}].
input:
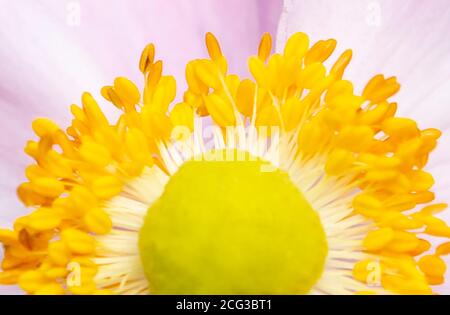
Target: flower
[{"x": 325, "y": 200}]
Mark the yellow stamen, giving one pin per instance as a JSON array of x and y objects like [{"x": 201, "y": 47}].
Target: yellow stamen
[{"x": 265, "y": 46}]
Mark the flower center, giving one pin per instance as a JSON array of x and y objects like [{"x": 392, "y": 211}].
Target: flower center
[{"x": 231, "y": 227}]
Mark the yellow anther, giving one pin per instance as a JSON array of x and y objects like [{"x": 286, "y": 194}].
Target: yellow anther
[
  {"x": 278, "y": 73},
  {"x": 35, "y": 171},
  {"x": 431, "y": 133},
  {"x": 421, "y": 248},
  {"x": 59, "y": 253},
  {"x": 339, "y": 161},
  {"x": 78, "y": 113},
  {"x": 339, "y": 66},
  {"x": 403, "y": 285},
  {"x": 391, "y": 110},
  {"x": 28, "y": 196},
  {"x": 55, "y": 272},
  {"x": 106, "y": 92},
  {"x": 423, "y": 197},
  {"x": 435, "y": 280},
  {"x": 311, "y": 137},
  {"x": 408, "y": 150},
  {"x": 296, "y": 46},
  {"x": 196, "y": 86},
  {"x": 375, "y": 114},
  {"x": 220, "y": 110},
  {"x": 320, "y": 51},
  {"x": 207, "y": 72},
  {"x": 379, "y": 89},
  {"x": 10, "y": 262},
  {"x": 386, "y": 162},
  {"x": 127, "y": 91},
  {"x": 78, "y": 242},
  {"x": 44, "y": 219},
  {"x": 155, "y": 125},
  {"x": 154, "y": 75},
  {"x": 245, "y": 97},
  {"x": 433, "y": 209},
  {"x": 111, "y": 95},
  {"x": 381, "y": 175},
  {"x": 378, "y": 239},
  {"x": 397, "y": 220},
  {"x": 420, "y": 180},
  {"x": 164, "y": 94},
  {"x": 432, "y": 265},
  {"x": 400, "y": 128},
  {"x": 268, "y": 116},
  {"x": 400, "y": 202},
  {"x": 110, "y": 139},
  {"x": 367, "y": 205},
  {"x": 136, "y": 144},
  {"x": 428, "y": 219},
  {"x": 259, "y": 71},
  {"x": 33, "y": 280},
  {"x": 97, "y": 221},
  {"x": 50, "y": 289},
  {"x": 82, "y": 199},
  {"x": 106, "y": 187},
  {"x": 292, "y": 111},
  {"x": 437, "y": 227},
  {"x": 8, "y": 237},
  {"x": 92, "y": 110},
  {"x": 47, "y": 186},
  {"x": 443, "y": 249},
  {"x": 182, "y": 115},
  {"x": 95, "y": 153},
  {"x": 346, "y": 104},
  {"x": 355, "y": 138},
  {"x": 147, "y": 58},
  {"x": 265, "y": 46},
  {"x": 338, "y": 88},
  {"x": 57, "y": 165},
  {"x": 44, "y": 127},
  {"x": 66, "y": 145},
  {"x": 11, "y": 276},
  {"x": 32, "y": 149},
  {"x": 403, "y": 242},
  {"x": 311, "y": 76},
  {"x": 213, "y": 46}
]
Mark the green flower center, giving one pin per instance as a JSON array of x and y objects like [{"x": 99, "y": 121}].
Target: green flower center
[{"x": 231, "y": 228}]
